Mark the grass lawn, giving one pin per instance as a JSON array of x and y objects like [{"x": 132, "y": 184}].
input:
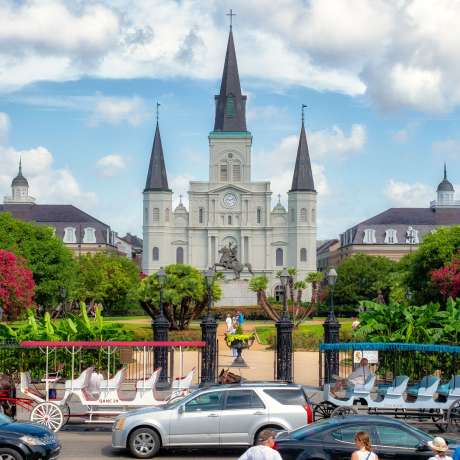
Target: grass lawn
[{"x": 306, "y": 336}]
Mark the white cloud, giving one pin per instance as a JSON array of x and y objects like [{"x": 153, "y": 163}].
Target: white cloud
[
  {"x": 400, "y": 136},
  {"x": 180, "y": 186},
  {"x": 405, "y": 194},
  {"x": 111, "y": 165},
  {"x": 46, "y": 183},
  {"x": 4, "y": 127},
  {"x": 117, "y": 109},
  {"x": 400, "y": 53},
  {"x": 335, "y": 141}
]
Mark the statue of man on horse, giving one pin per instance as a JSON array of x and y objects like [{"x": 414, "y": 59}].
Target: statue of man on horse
[{"x": 229, "y": 260}]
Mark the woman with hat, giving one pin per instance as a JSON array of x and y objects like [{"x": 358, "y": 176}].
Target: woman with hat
[{"x": 439, "y": 447}]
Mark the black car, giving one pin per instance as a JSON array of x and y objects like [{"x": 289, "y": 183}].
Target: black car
[
  {"x": 26, "y": 441},
  {"x": 334, "y": 439}
]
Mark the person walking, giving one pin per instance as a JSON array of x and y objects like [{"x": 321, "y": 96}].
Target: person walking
[
  {"x": 439, "y": 448},
  {"x": 229, "y": 322},
  {"x": 264, "y": 449},
  {"x": 241, "y": 318},
  {"x": 363, "y": 444}
]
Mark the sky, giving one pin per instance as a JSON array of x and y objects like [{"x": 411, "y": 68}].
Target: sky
[{"x": 79, "y": 81}]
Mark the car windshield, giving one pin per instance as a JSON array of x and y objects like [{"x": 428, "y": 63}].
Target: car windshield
[
  {"x": 423, "y": 434},
  {"x": 178, "y": 402},
  {"x": 4, "y": 419},
  {"x": 300, "y": 433}
]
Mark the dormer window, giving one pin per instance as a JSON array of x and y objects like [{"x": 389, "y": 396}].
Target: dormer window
[
  {"x": 369, "y": 236},
  {"x": 412, "y": 236},
  {"x": 70, "y": 235},
  {"x": 391, "y": 236},
  {"x": 90, "y": 235}
]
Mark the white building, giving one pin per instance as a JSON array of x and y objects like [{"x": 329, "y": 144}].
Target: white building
[{"x": 230, "y": 207}]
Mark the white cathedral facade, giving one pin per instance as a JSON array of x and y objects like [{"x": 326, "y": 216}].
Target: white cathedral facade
[{"x": 230, "y": 207}]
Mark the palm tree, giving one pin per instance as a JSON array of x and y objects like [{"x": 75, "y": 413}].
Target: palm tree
[{"x": 258, "y": 284}]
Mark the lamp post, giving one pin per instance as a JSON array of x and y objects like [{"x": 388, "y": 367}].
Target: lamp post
[
  {"x": 331, "y": 331},
  {"x": 284, "y": 328},
  {"x": 208, "y": 335},
  {"x": 160, "y": 334}
]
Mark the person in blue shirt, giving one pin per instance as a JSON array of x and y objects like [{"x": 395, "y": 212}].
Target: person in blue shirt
[{"x": 240, "y": 318}]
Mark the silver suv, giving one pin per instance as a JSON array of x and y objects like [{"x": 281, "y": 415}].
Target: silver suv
[{"x": 218, "y": 416}]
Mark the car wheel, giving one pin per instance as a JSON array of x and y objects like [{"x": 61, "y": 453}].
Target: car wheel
[
  {"x": 144, "y": 443},
  {"x": 9, "y": 454}
]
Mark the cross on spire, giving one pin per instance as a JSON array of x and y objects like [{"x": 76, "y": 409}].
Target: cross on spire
[
  {"x": 231, "y": 14},
  {"x": 304, "y": 106},
  {"x": 445, "y": 171},
  {"x": 158, "y": 111}
]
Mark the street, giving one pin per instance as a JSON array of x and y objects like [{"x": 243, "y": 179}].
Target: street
[{"x": 93, "y": 443}]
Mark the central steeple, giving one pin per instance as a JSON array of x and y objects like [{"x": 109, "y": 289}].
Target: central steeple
[{"x": 230, "y": 103}]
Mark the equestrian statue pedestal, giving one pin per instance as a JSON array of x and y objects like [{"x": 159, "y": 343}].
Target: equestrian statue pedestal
[{"x": 236, "y": 293}]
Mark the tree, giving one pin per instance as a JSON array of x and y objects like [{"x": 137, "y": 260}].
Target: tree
[
  {"x": 447, "y": 279},
  {"x": 185, "y": 294},
  {"x": 52, "y": 264},
  {"x": 109, "y": 279},
  {"x": 361, "y": 277},
  {"x": 436, "y": 250},
  {"x": 16, "y": 285},
  {"x": 315, "y": 279},
  {"x": 258, "y": 284}
]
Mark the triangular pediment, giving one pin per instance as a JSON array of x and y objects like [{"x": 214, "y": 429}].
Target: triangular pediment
[
  {"x": 229, "y": 187},
  {"x": 279, "y": 243}
]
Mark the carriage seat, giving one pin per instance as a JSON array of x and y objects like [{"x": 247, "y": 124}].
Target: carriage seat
[
  {"x": 80, "y": 382},
  {"x": 183, "y": 383},
  {"x": 398, "y": 386},
  {"x": 115, "y": 382},
  {"x": 426, "y": 388},
  {"x": 149, "y": 383},
  {"x": 451, "y": 388},
  {"x": 366, "y": 388}
]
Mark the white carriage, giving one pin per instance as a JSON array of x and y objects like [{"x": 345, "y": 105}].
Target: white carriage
[
  {"x": 101, "y": 400},
  {"x": 430, "y": 400}
]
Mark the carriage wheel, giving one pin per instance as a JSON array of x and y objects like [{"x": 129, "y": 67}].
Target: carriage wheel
[
  {"x": 49, "y": 415},
  {"x": 453, "y": 416},
  {"x": 65, "y": 414},
  {"x": 323, "y": 410},
  {"x": 439, "y": 419},
  {"x": 343, "y": 411}
]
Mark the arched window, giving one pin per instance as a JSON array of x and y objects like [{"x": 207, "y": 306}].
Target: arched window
[
  {"x": 313, "y": 215},
  {"x": 229, "y": 220},
  {"x": 179, "y": 255},
  {"x": 201, "y": 215},
  {"x": 224, "y": 172},
  {"x": 303, "y": 215},
  {"x": 70, "y": 235},
  {"x": 259, "y": 215},
  {"x": 156, "y": 215},
  {"x": 292, "y": 215},
  {"x": 236, "y": 171},
  {"x": 90, "y": 235},
  {"x": 279, "y": 257},
  {"x": 155, "y": 253},
  {"x": 167, "y": 215},
  {"x": 303, "y": 255}
]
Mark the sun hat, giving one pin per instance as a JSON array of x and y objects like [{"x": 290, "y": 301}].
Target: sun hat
[{"x": 439, "y": 444}]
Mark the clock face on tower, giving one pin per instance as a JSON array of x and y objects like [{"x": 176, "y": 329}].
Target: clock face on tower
[{"x": 230, "y": 200}]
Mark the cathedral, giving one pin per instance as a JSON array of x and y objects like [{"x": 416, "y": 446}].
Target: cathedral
[{"x": 231, "y": 210}]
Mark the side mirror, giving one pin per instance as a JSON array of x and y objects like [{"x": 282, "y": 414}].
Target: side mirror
[
  {"x": 181, "y": 409},
  {"x": 423, "y": 446}
]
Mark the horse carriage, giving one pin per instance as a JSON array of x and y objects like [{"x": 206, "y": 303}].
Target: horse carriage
[
  {"x": 98, "y": 400},
  {"x": 431, "y": 398}
]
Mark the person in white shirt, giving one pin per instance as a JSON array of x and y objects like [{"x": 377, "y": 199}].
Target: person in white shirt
[
  {"x": 265, "y": 448},
  {"x": 439, "y": 447},
  {"x": 94, "y": 385},
  {"x": 363, "y": 444},
  {"x": 358, "y": 377},
  {"x": 228, "y": 321}
]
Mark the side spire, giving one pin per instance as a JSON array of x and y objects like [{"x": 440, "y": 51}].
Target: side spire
[
  {"x": 157, "y": 180},
  {"x": 302, "y": 180},
  {"x": 230, "y": 103}
]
